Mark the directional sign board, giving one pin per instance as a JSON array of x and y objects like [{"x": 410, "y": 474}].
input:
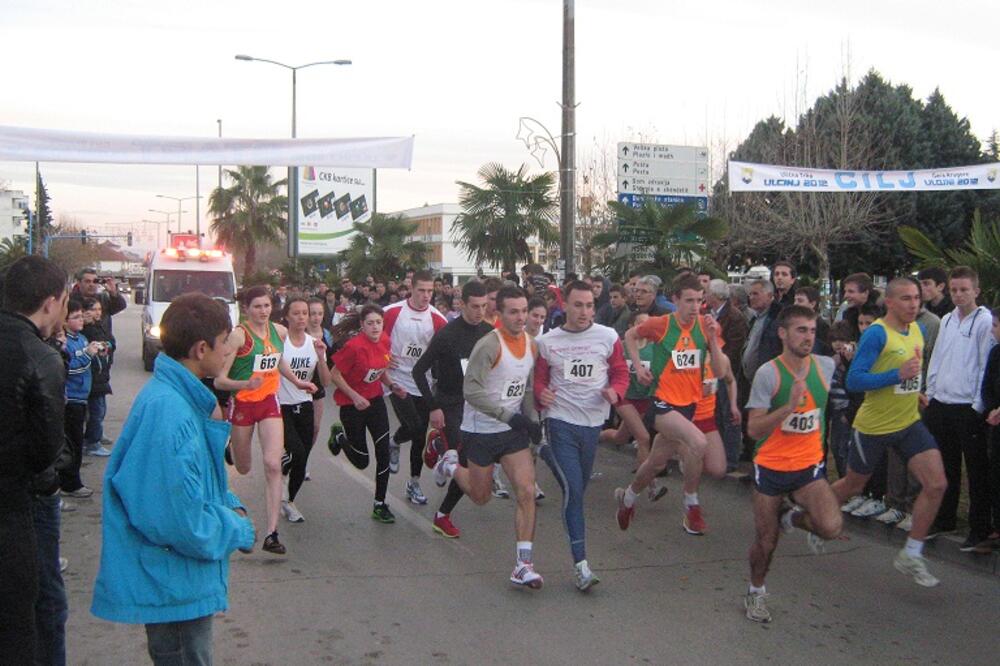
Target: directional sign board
[{"x": 647, "y": 168}]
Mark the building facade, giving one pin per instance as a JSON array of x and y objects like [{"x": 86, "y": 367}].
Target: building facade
[{"x": 13, "y": 222}]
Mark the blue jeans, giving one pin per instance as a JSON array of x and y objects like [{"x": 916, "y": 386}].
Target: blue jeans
[
  {"x": 51, "y": 608},
  {"x": 839, "y": 440},
  {"x": 570, "y": 453},
  {"x": 185, "y": 643},
  {"x": 97, "y": 407}
]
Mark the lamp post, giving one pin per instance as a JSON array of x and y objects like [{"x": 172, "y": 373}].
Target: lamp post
[
  {"x": 179, "y": 211},
  {"x": 293, "y": 185},
  {"x": 167, "y": 221}
]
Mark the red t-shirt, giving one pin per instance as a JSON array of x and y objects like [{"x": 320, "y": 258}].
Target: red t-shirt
[{"x": 362, "y": 363}]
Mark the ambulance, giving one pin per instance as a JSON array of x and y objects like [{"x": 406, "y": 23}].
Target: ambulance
[{"x": 182, "y": 268}]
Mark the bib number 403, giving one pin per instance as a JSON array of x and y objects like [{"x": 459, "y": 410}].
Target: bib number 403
[{"x": 801, "y": 423}]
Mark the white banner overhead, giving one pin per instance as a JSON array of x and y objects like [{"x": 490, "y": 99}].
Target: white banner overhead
[
  {"x": 747, "y": 177},
  {"x": 22, "y": 144}
]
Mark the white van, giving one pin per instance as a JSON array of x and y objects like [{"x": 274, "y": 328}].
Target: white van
[{"x": 179, "y": 270}]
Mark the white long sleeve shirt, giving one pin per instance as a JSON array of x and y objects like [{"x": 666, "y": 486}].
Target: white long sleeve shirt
[{"x": 955, "y": 375}]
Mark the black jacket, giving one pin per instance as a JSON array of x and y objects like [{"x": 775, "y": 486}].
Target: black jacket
[
  {"x": 110, "y": 305},
  {"x": 770, "y": 344},
  {"x": 32, "y": 405},
  {"x": 100, "y": 368}
]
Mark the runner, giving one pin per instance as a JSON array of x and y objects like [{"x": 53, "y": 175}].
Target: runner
[
  {"x": 446, "y": 356},
  {"x": 359, "y": 372},
  {"x": 498, "y": 422},
  {"x": 316, "y": 330},
  {"x": 306, "y": 357},
  {"x": 704, "y": 417},
  {"x": 683, "y": 340},
  {"x": 580, "y": 371},
  {"x": 886, "y": 367},
  {"x": 253, "y": 372},
  {"x": 787, "y": 417},
  {"x": 492, "y": 317},
  {"x": 410, "y": 325}
]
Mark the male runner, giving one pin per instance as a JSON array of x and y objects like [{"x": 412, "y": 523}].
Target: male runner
[
  {"x": 492, "y": 317},
  {"x": 887, "y": 368},
  {"x": 498, "y": 421},
  {"x": 410, "y": 325},
  {"x": 580, "y": 370},
  {"x": 682, "y": 340},
  {"x": 447, "y": 355},
  {"x": 787, "y": 409}
]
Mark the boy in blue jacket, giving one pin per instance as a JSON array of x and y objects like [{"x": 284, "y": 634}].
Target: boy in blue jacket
[
  {"x": 79, "y": 354},
  {"x": 170, "y": 521}
]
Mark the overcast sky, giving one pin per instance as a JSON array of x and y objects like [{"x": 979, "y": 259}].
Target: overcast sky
[{"x": 457, "y": 74}]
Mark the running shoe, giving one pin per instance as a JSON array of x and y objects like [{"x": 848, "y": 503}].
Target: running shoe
[
  {"x": 989, "y": 544},
  {"x": 656, "y": 492},
  {"x": 499, "y": 489},
  {"x": 442, "y": 466},
  {"x": 272, "y": 545},
  {"x": 291, "y": 513},
  {"x": 66, "y": 507},
  {"x": 906, "y": 524},
  {"x": 106, "y": 442},
  {"x": 338, "y": 438},
  {"x": 434, "y": 447},
  {"x": 539, "y": 495},
  {"x": 625, "y": 513},
  {"x": 916, "y": 567},
  {"x": 756, "y": 605},
  {"x": 227, "y": 453},
  {"x": 414, "y": 493},
  {"x": 286, "y": 463},
  {"x": 393, "y": 456},
  {"x": 63, "y": 564},
  {"x": 97, "y": 451},
  {"x": 82, "y": 492},
  {"x": 693, "y": 522},
  {"x": 871, "y": 507},
  {"x": 890, "y": 517},
  {"x": 853, "y": 503},
  {"x": 786, "y": 528},
  {"x": 971, "y": 542},
  {"x": 381, "y": 513},
  {"x": 445, "y": 528},
  {"x": 524, "y": 576},
  {"x": 816, "y": 544},
  {"x": 583, "y": 577}
]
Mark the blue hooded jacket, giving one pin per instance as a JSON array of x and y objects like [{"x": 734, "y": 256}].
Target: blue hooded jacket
[
  {"x": 78, "y": 377},
  {"x": 169, "y": 523}
]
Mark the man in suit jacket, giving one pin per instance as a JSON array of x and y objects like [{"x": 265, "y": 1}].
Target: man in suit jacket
[{"x": 734, "y": 334}]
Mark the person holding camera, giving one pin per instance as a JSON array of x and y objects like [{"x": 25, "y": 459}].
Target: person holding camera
[{"x": 95, "y": 330}]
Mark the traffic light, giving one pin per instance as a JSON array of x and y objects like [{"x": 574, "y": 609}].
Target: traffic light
[
  {"x": 129, "y": 239},
  {"x": 83, "y": 237}
]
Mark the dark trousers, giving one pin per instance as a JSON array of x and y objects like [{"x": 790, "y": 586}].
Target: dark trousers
[
  {"x": 374, "y": 420},
  {"x": 960, "y": 433},
  {"x": 413, "y": 416},
  {"x": 97, "y": 408},
  {"x": 51, "y": 608},
  {"x": 453, "y": 433},
  {"x": 732, "y": 436},
  {"x": 298, "y": 425},
  {"x": 187, "y": 643},
  {"x": 994, "y": 446},
  {"x": 76, "y": 421},
  {"x": 18, "y": 583}
]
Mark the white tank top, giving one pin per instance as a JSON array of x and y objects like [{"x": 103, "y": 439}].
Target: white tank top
[
  {"x": 302, "y": 360},
  {"x": 507, "y": 382}
]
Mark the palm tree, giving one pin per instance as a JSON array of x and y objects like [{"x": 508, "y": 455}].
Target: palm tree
[
  {"x": 250, "y": 212},
  {"x": 380, "y": 247},
  {"x": 499, "y": 217},
  {"x": 12, "y": 249}
]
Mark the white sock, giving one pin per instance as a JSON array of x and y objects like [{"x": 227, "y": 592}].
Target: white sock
[
  {"x": 440, "y": 515},
  {"x": 630, "y": 497},
  {"x": 582, "y": 566},
  {"x": 786, "y": 520},
  {"x": 690, "y": 499},
  {"x": 414, "y": 479},
  {"x": 757, "y": 590},
  {"x": 524, "y": 551},
  {"x": 913, "y": 547}
]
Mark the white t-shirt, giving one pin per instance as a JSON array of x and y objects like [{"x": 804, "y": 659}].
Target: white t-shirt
[
  {"x": 302, "y": 360},
  {"x": 409, "y": 331},
  {"x": 578, "y": 363}
]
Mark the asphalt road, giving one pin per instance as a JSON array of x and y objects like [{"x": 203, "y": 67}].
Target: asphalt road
[{"x": 352, "y": 591}]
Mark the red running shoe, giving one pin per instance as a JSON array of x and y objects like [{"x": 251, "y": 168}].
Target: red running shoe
[
  {"x": 445, "y": 528},
  {"x": 693, "y": 522},
  {"x": 434, "y": 447},
  {"x": 624, "y": 513}
]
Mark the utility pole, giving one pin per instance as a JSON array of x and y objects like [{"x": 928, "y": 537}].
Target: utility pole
[
  {"x": 567, "y": 166},
  {"x": 220, "y": 166}
]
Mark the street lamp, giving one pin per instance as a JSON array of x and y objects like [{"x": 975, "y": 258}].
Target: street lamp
[
  {"x": 293, "y": 185},
  {"x": 167, "y": 221},
  {"x": 179, "y": 211}
]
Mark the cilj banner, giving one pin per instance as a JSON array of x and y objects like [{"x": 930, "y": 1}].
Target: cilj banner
[{"x": 749, "y": 177}]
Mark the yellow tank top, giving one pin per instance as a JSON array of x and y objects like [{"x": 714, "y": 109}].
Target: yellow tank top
[{"x": 892, "y": 408}]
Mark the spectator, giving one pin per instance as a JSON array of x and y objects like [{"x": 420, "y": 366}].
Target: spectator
[
  {"x": 783, "y": 276},
  {"x": 991, "y": 407},
  {"x": 167, "y": 507},
  {"x": 763, "y": 343},
  {"x": 841, "y": 409},
  {"x": 810, "y": 298},
  {"x": 78, "y": 380},
  {"x": 100, "y": 387},
  {"x": 615, "y": 312},
  {"x": 739, "y": 300},
  {"x": 349, "y": 290},
  {"x": 278, "y": 301},
  {"x": 645, "y": 292},
  {"x": 32, "y": 614},
  {"x": 934, "y": 290},
  {"x": 112, "y": 302},
  {"x": 858, "y": 291},
  {"x": 734, "y": 335},
  {"x": 597, "y": 286}
]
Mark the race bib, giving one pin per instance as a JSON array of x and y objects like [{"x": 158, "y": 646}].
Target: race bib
[
  {"x": 709, "y": 386},
  {"x": 373, "y": 375},
  {"x": 266, "y": 362},
  {"x": 631, "y": 366},
  {"x": 413, "y": 351},
  {"x": 905, "y": 387},
  {"x": 465, "y": 365},
  {"x": 686, "y": 359},
  {"x": 801, "y": 423},
  {"x": 513, "y": 388},
  {"x": 579, "y": 370}
]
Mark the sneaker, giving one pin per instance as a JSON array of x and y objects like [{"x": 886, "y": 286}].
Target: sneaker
[
  {"x": 63, "y": 564},
  {"x": 816, "y": 544},
  {"x": 393, "y": 456},
  {"x": 656, "y": 492},
  {"x": 524, "y": 576},
  {"x": 539, "y": 495},
  {"x": 227, "y": 454},
  {"x": 499, "y": 489},
  {"x": 971, "y": 542},
  {"x": 583, "y": 577},
  {"x": 442, "y": 466},
  {"x": 906, "y": 524},
  {"x": 82, "y": 492},
  {"x": 66, "y": 507},
  {"x": 307, "y": 477},
  {"x": 414, "y": 494},
  {"x": 989, "y": 544},
  {"x": 693, "y": 522},
  {"x": 338, "y": 438},
  {"x": 291, "y": 513},
  {"x": 756, "y": 606},
  {"x": 871, "y": 507},
  {"x": 272, "y": 545},
  {"x": 890, "y": 517},
  {"x": 936, "y": 530},
  {"x": 624, "y": 514},
  {"x": 434, "y": 447},
  {"x": 916, "y": 567},
  {"x": 106, "y": 442},
  {"x": 785, "y": 510},
  {"x": 853, "y": 503},
  {"x": 286, "y": 463},
  {"x": 445, "y": 528},
  {"x": 381, "y": 513},
  {"x": 97, "y": 451}
]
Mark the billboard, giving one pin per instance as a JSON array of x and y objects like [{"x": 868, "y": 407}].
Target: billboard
[{"x": 330, "y": 201}]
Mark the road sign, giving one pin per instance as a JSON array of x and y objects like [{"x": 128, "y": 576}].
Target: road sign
[
  {"x": 634, "y": 200},
  {"x": 661, "y": 152},
  {"x": 680, "y": 186}
]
